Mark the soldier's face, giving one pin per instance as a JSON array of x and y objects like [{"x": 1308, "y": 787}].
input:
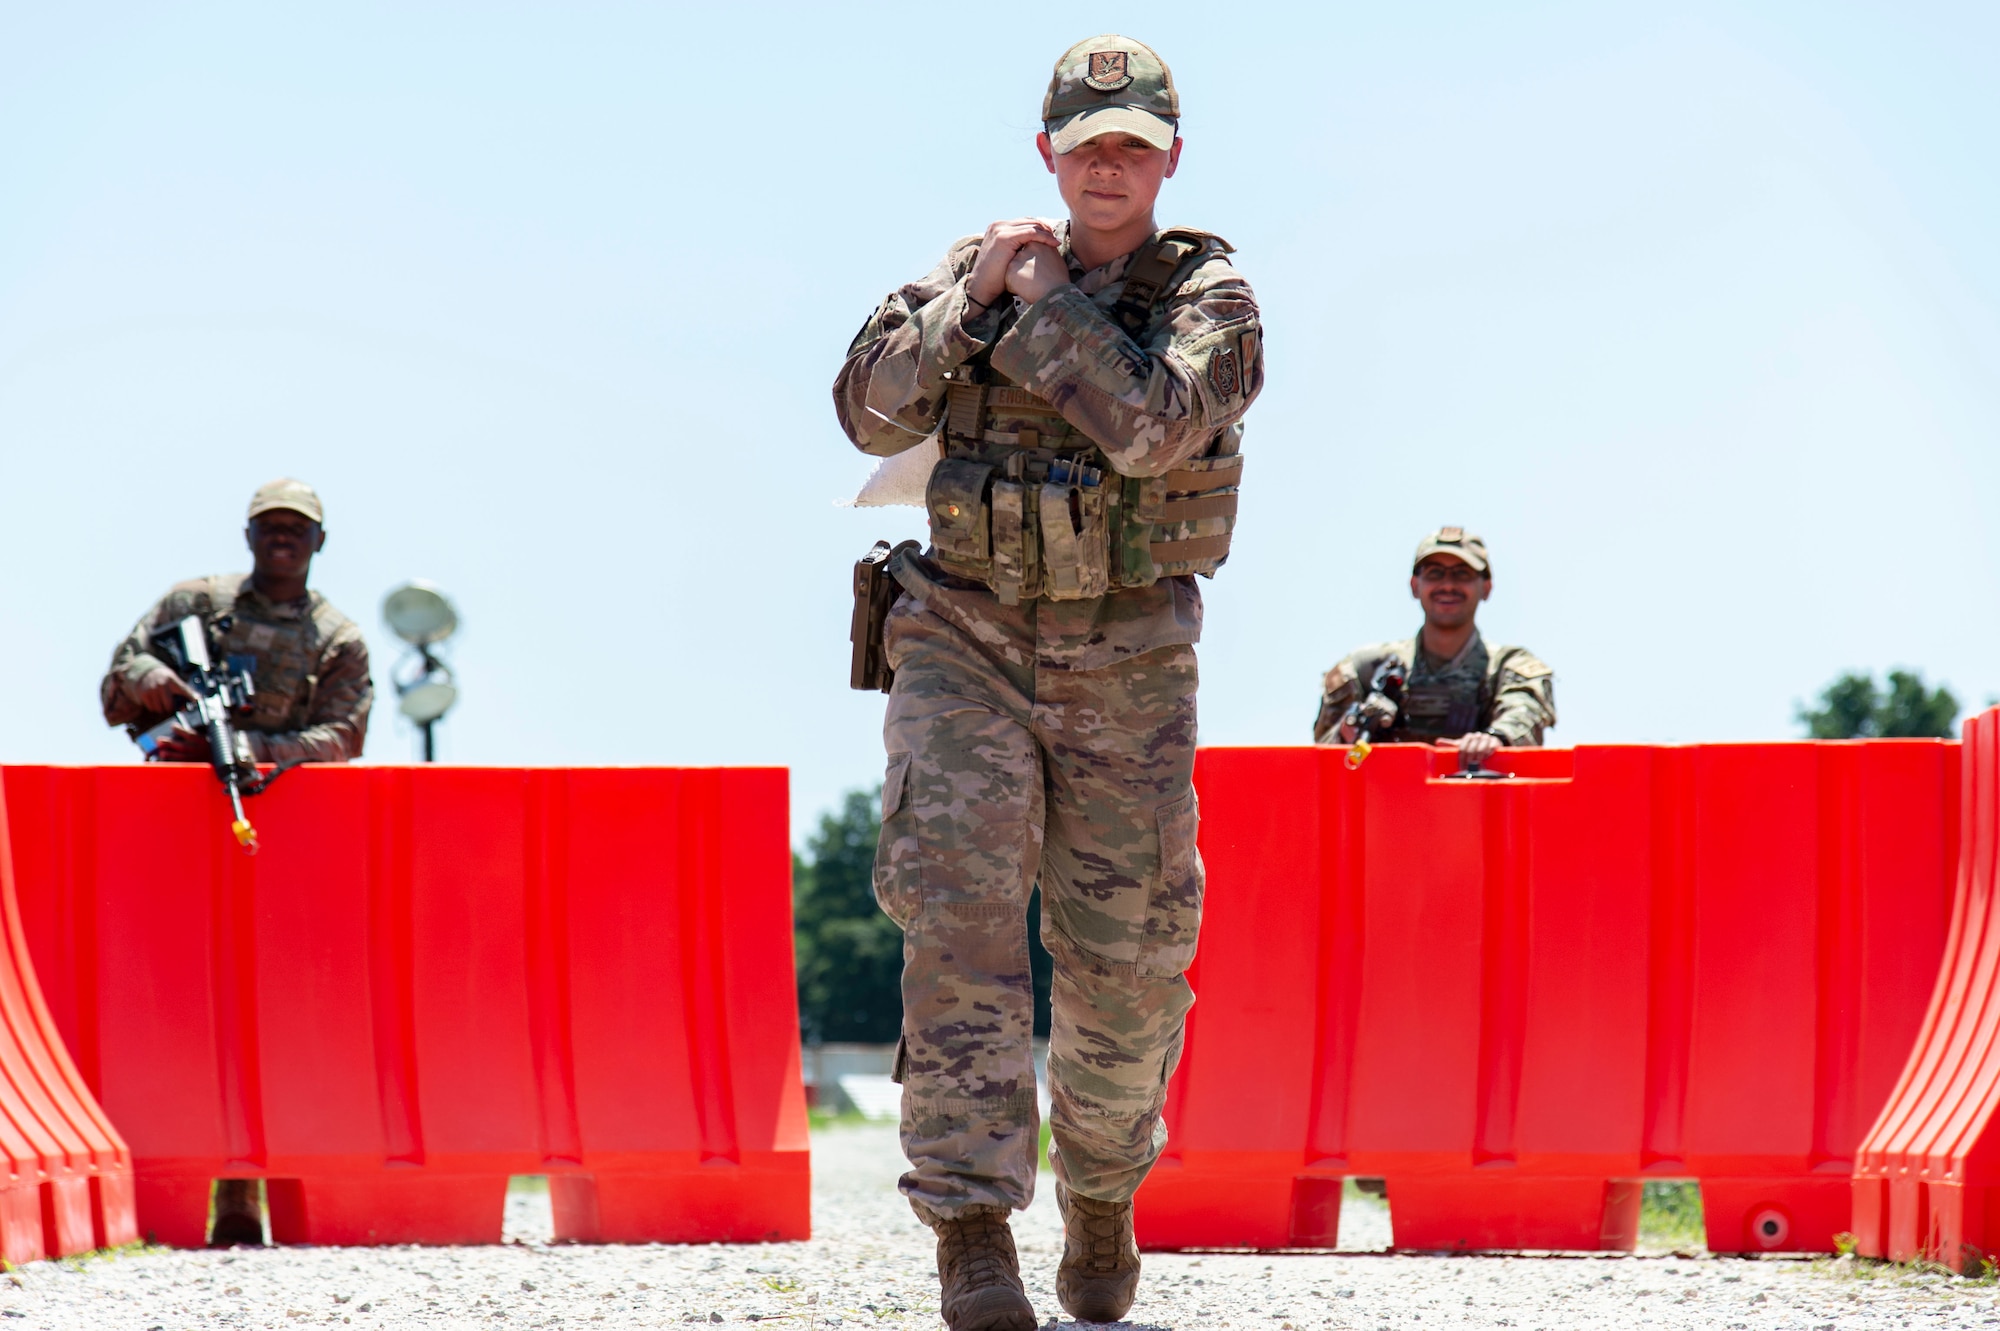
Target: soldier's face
[
  {"x": 282, "y": 543},
  {"x": 1450, "y": 590},
  {"x": 1111, "y": 180}
]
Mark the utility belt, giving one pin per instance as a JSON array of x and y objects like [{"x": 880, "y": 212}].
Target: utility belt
[{"x": 1024, "y": 502}]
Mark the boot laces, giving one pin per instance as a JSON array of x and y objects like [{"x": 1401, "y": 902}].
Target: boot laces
[
  {"x": 978, "y": 1250},
  {"x": 1101, "y": 1227}
]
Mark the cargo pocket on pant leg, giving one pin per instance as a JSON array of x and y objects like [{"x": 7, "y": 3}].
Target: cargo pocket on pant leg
[
  {"x": 898, "y": 858},
  {"x": 1173, "y": 914}
]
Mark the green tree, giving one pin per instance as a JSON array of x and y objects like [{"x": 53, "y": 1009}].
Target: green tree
[
  {"x": 850, "y": 955},
  {"x": 1855, "y": 707},
  {"x": 1912, "y": 710}
]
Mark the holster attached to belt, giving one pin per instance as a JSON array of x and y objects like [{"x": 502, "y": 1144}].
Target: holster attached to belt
[{"x": 875, "y": 593}]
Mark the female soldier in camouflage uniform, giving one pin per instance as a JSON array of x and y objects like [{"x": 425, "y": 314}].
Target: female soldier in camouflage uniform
[{"x": 1082, "y": 384}]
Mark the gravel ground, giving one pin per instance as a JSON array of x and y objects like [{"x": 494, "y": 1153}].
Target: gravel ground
[{"x": 872, "y": 1267}]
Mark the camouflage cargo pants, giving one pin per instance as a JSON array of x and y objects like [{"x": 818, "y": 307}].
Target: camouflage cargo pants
[{"x": 1000, "y": 774}]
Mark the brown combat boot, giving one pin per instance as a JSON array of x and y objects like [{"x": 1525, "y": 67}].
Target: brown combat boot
[
  {"x": 981, "y": 1274},
  {"x": 1099, "y": 1274}
]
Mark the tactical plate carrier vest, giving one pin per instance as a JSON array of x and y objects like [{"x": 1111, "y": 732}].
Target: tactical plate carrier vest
[
  {"x": 283, "y": 657},
  {"x": 1024, "y": 502},
  {"x": 1440, "y": 703}
]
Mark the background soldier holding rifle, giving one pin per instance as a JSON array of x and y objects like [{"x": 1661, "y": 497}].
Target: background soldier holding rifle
[
  {"x": 1081, "y": 385},
  {"x": 1445, "y": 685},
  {"x": 309, "y": 699}
]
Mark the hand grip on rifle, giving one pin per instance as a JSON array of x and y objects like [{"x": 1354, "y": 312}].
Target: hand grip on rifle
[{"x": 1371, "y": 715}]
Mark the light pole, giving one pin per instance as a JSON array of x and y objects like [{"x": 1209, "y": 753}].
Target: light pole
[{"x": 421, "y": 615}]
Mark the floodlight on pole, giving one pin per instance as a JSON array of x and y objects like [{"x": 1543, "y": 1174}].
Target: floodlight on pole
[{"x": 421, "y": 615}]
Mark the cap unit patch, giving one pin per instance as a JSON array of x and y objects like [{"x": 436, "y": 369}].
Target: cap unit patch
[
  {"x": 1222, "y": 372},
  {"x": 1108, "y": 71},
  {"x": 1451, "y": 534}
]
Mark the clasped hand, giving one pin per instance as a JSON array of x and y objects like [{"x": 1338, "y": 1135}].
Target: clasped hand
[{"x": 1022, "y": 257}]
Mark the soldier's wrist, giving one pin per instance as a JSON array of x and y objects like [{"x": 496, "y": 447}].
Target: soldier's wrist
[
  {"x": 976, "y": 320},
  {"x": 973, "y": 301}
]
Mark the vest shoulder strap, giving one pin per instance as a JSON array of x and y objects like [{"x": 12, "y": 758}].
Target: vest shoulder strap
[{"x": 1152, "y": 267}]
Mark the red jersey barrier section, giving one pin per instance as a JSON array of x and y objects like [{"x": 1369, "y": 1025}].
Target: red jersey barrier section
[
  {"x": 1519, "y": 999},
  {"x": 431, "y": 979},
  {"x": 69, "y": 1177},
  {"x": 1927, "y": 1181}
]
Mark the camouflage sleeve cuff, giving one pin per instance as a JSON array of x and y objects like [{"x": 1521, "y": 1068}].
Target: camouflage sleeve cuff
[
  {"x": 953, "y": 324},
  {"x": 978, "y": 324}
]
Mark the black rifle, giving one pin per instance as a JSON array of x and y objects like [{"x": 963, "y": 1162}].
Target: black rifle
[
  {"x": 1388, "y": 685},
  {"x": 218, "y": 693}
]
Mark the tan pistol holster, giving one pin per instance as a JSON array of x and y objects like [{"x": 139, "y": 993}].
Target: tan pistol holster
[
  {"x": 1024, "y": 502},
  {"x": 876, "y": 592}
]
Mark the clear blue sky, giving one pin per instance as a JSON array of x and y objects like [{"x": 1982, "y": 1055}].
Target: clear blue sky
[{"x": 1692, "y": 310}]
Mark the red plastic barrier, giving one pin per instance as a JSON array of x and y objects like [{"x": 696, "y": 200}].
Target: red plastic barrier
[
  {"x": 431, "y": 979},
  {"x": 1517, "y": 1000},
  {"x": 1927, "y": 1182},
  {"x": 69, "y": 1178}
]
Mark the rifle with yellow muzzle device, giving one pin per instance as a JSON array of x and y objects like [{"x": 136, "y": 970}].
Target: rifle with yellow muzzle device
[
  {"x": 220, "y": 692},
  {"x": 1387, "y": 685}
]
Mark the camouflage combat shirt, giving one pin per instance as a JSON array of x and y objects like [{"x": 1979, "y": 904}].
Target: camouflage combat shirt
[
  {"x": 310, "y": 666},
  {"x": 1149, "y": 403},
  {"x": 1508, "y": 692}
]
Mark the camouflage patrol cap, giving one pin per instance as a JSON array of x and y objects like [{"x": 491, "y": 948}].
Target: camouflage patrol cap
[
  {"x": 1456, "y": 542},
  {"x": 287, "y": 494},
  {"x": 1110, "y": 84}
]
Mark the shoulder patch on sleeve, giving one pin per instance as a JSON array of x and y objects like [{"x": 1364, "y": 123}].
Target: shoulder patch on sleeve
[
  {"x": 1223, "y": 372},
  {"x": 1250, "y": 342}
]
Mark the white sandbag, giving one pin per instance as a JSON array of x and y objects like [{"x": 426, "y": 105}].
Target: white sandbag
[{"x": 899, "y": 480}]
